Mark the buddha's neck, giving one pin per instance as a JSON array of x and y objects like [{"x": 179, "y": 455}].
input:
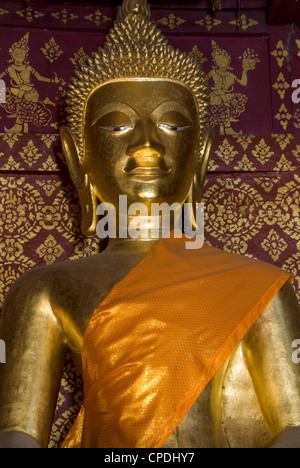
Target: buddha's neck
[
  {"x": 131, "y": 245},
  {"x": 139, "y": 234}
]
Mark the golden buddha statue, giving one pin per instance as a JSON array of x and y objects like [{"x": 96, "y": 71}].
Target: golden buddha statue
[{"x": 188, "y": 348}]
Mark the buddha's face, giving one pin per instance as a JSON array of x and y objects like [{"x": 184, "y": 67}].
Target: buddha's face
[{"x": 141, "y": 140}]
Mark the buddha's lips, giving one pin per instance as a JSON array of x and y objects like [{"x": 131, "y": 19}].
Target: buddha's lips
[{"x": 146, "y": 167}]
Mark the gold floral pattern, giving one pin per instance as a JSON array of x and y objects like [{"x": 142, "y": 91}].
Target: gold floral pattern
[
  {"x": 49, "y": 185},
  {"x": 172, "y": 21},
  {"x": 10, "y": 138},
  {"x": 49, "y": 217},
  {"x": 98, "y": 18},
  {"x": 244, "y": 22},
  {"x": 29, "y": 14},
  {"x": 86, "y": 247},
  {"x": 232, "y": 210},
  {"x": 283, "y": 116},
  {"x": 283, "y": 140},
  {"x": 281, "y": 85},
  {"x": 30, "y": 153},
  {"x": 244, "y": 140},
  {"x": 51, "y": 50},
  {"x": 266, "y": 184},
  {"x": 288, "y": 199},
  {"x": 274, "y": 245},
  {"x": 226, "y": 152},
  {"x": 209, "y": 22},
  {"x": 11, "y": 165},
  {"x": 20, "y": 203},
  {"x": 236, "y": 245},
  {"x": 70, "y": 214},
  {"x": 280, "y": 53},
  {"x": 244, "y": 164},
  {"x": 284, "y": 164},
  {"x": 50, "y": 250},
  {"x": 262, "y": 152},
  {"x": 64, "y": 16},
  {"x": 198, "y": 55},
  {"x": 297, "y": 119},
  {"x": 10, "y": 249},
  {"x": 270, "y": 212}
]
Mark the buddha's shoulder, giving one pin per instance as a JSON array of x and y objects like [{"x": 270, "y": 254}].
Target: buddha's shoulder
[
  {"x": 236, "y": 260},
  {"x": 72, "y": 280},
  {"x": 67, "y": 278}
]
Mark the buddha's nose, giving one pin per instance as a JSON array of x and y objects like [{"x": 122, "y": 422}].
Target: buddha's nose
[{"x": 145, "y": 145}]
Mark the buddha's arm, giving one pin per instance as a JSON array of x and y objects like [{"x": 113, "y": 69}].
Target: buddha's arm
[
  {"x": 276, "y": 378},
  {"x": 30, "y": 379}
]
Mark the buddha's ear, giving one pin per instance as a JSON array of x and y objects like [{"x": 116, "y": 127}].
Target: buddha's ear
[
  {"x": 202, "y": 166},
  {"x": 87, "y": 197},
  {"x": 71, "y": 154}
]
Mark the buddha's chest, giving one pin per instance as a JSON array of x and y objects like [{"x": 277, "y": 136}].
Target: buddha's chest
[{"x": 226, "y": 414}]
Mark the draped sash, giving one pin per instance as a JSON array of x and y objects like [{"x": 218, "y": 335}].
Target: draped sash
[{"x": 158, "y": 338}]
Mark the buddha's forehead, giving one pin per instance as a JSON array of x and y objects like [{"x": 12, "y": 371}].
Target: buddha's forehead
[{"x": 143, "y": 95}]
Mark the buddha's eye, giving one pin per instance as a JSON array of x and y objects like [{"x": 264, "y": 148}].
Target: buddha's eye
[
  {"x": 174, "y": 128},
  {"x": 173, "y": 121},
  {"x": 117, "y": 129},
  {"x": 115, "y": 122}
]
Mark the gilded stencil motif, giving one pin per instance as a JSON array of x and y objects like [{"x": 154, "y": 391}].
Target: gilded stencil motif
[
  {"x": 209, "y": 22},
  {"x": 20, "y": 204},
  {"x": 226, "y": 104},
  {"x": 52, "y": 50},
  {"x": 244, "y": 22},
  {"x": 172, "y": 21},
  {"x": 280, "y": 53},
  {"x": 97, "y": 18},
  {"x": 22, "y": 99},
  {"x": 283, "y": 115},
  {"x": 64, "y": 16},
  {"x": 232, "y": 210},
  {"x": 288, "y": 201},
  {"x": 29, "y": 14},
  {"x": 281, "y": 85}
]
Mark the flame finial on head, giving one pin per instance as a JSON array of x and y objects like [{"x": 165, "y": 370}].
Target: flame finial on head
[{"x": 132, "y": 8}]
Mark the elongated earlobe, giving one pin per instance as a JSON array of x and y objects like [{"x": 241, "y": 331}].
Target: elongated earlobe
[
  {"x": 202, "y": 166},
  {"x": 88, "y": 204},
  {"x": 87, "y": 197}
]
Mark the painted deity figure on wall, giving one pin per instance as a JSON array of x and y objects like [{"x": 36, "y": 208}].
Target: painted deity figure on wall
[
  {"x": 22, "y": 99},
  {"x": 226, "y": 104}
]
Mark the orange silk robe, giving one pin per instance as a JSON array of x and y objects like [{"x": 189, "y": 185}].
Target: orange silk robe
[{"x": 159, "y": 336}]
